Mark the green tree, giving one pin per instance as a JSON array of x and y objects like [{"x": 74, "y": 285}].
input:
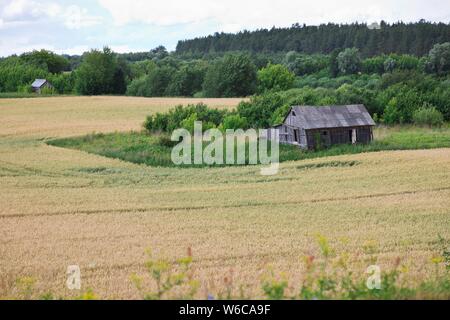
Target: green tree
[
  {"x": 374, "y": 65},
  {"x": 349, "y": 61},
  {"x": 16, "y": 74},
  {"x": 141, "y": 68},
  {"x": 96, "y": 74},
  {"x": 333, "y": 64},
  {"x": 234, "y": 75},
  {"x": 187, "y": 80},
  {"x": 47, "y": 60},
  {"x": 302, "y": 64},
  {"x": 439, "y": 58},
  {"x": 275, "y": 77},
  {"x": 121, "y": 76},
  {"x": 155, "y": 84},
  {"x": 259, "y": 110}
]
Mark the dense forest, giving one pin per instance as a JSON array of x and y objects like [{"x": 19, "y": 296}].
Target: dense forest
[
  {"x": 395, "y": 87},
  {"x": 412, "y": 38}
]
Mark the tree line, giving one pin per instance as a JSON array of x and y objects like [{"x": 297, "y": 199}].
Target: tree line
[{"x": 384, "y": 38}]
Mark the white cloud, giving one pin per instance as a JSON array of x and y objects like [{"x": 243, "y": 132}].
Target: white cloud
[
  {"x": 19, "y": 45},
  {"x": 19, "y": 12},
  {"x": 233, "y": 15},
  {"x": 76, "y": 18}
]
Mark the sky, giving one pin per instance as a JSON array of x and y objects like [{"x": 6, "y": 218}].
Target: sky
[{"x": 72, "y": 27}]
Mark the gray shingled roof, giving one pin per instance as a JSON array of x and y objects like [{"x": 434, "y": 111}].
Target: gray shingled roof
[
  {"x": 332, "y": 116},
  {"x": 38, "y": 83}
]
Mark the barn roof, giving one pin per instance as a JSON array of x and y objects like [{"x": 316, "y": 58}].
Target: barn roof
[
  {"x": 332, "y": 116},
  {"x": 38, "y": 83}
]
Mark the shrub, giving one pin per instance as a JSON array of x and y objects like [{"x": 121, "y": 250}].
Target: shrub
[
  {"x": 391, "y": 114},
  {"x": 48, "y": 91},
  {"x": 234, "y": 121},
  {"x": 428, "y": 115},
  {"x": 402, "y": 102},
  {"x": 25, "y": 89},
  {"x": 184, "y": 117},
  {"x": 165, "y": 141},
  {"x": 275, "y": 77}
]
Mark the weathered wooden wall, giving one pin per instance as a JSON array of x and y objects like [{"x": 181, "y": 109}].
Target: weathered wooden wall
[{"x": 334, "y": 136}]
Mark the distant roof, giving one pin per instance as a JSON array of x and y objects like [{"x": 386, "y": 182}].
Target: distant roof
[
  {"x": 38, "y": 83},
  {"x": 332, "y": 116}
]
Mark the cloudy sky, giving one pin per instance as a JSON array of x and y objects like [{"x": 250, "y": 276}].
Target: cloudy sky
[{"x": 68, "y": 26}]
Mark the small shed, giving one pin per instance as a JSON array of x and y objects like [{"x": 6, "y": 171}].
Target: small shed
[
  {"x": 308, "y": 126},
  {"x": 39, "y": 84}
]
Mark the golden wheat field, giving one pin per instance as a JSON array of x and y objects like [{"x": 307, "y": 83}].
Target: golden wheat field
[{"x": 57, "y": 210}]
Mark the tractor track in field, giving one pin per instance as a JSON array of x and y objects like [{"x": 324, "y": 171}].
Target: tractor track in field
[{"x": 190, "y": 208}]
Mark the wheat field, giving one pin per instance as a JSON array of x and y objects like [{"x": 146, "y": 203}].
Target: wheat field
[{"x": 61, "y": 207}]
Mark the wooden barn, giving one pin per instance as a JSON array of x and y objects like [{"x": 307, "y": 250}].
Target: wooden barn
[
  {"x": 39, "y": 84},
  {"x": 308, "y": 126}
]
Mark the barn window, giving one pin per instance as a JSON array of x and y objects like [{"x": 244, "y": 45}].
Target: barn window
[
  {"x": 293, "y": 113},
  {"x": 324, "y": 133}
]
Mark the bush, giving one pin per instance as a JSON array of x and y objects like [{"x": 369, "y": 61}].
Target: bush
[
  {"x": 184, "y": 117},
  {"x": 48, "y": 91},
  {"x": 428, "y": 115},
  {"x": 275, "y": 77},
  {"x": 391, "y": 114},
  {"x": 234, "y": 121},
  {"x": 165, "y": 141},
  {"x": 25, "y": 89},
  {"x": 402, "y": 101}
]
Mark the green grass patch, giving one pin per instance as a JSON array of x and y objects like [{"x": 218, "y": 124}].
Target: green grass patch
[{"x": 154, "y": 150}]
